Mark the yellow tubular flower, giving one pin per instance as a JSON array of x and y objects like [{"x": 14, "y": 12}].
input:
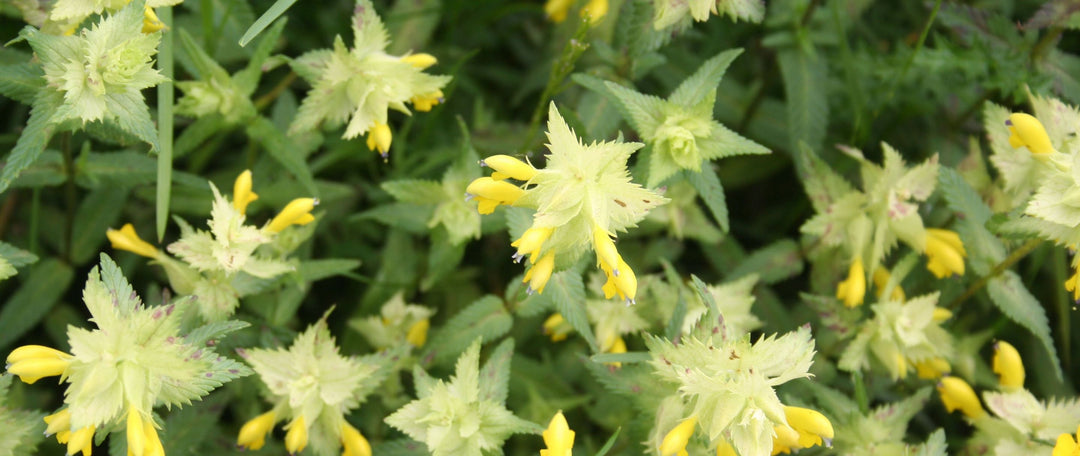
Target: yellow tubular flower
[
  {"x": 242, "y": 194},
  {"x": 530, "y": 243},
  {"x": 57, "y": 423},
  {"x": 538, "y": 275},
  {"x": 153, "y": 443},
  {"x": 379, "y": 138},
  {"x": 126, "y": 239},
  {"x": 136, "y": 435},
  {"x": 555, "y": 327},
  {"x": 151, "y": 23},
  {"x": 253, "y": 434},
  {"x": 296, "y": 437},
  {"x": 81, "y": 440},
  {"x": 945, "y": 253},
  {"x": 725, "y": 449},
  {"x": 813, "y": 427},
  {"x": 558, "y": 438},
  {"x": 852, "y": 290},
  {"x": 417, "y": 334},
  {"x": 881, "y": 278},
  {"x": 506, "y": 166},
  {"x": 34, "y": 362},
  {"x": 595, "y": 10},
  {"x": 556, "y": 9},
  {"x": 354, "y": 442},
  {"x": 425, "y": 102},
  {"x": 624, "y": 284},
  {"x": 1070, "y": 285},
  {"x": 1066, "y": 445},
  {"x": 675, "y": 441},
  {"x": 500, "y": 192},
  {"x": 420, "y": 60},
  {"x": 933, "y": 368},
  {"x": 1025, "y": 130},
  {"x": 957, "y": 394},
  {"x": 606, "y": 253},
  {"x": 941, "y": 314},
  {"x": 297, "y": 212},
  {"x": 785, "y": 439},
  {"x": 1008, "y": 365}
]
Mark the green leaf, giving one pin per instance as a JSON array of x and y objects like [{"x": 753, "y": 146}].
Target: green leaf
[
  {"x": 567, "y": 291},
  {"x": 31, "y": 142},
  {"x": 983, "y": 248},
  {"x": 315, "y": 270},
  {"x": 44, "y": 285},
  {"x": 805, "y": 80},
  {"x": 15, "y": 256},
  {"x": 697, "y": 87},
  {"x": 495, "y": 376},
  {"x": 197, "y": 133},
  {"x": 443, "y": 258},
  {"x": 99, "y": 211},
  {"x": 486, "y": 318},
  {"x": 772, "y": 263},
  {"x": 21, "y": 82},
  {"x": 277, "y": 9},
  {"x": 416, "y": 191},
  {"x": 1014, "y": 300},
  {"x": 282, "y": 149},
  {"x": 610, "y": 443},
  {"x": 711, "y": 191}
]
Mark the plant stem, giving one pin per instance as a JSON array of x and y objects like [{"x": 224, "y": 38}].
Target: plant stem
[
  {"x": 265, "y": 100},
  {"x": 562, "y": 68},
  {"x": 165, "y": 125},
  {"x": 1013, "y": 257}
]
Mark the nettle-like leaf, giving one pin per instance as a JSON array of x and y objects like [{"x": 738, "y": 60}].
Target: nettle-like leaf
[
  {"x": 671, "y": 12},
  {"x": 465, "y": 416},
  {"x": 1034, "y": 418},
  {"x": 22, "y": 428}
]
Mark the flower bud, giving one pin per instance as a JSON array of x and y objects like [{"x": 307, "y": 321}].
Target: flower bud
[
  {"x": 506, "y": 166},
  {"x": 558, "y": 437},
  {"x": 537, "y": 276},
  {"x": 297, "y": 212},
  {"x": 853, "y": 290},
  {"x": 296, "y": 437},
  {"x": 957, "y": 394},
  {"x": 1025, "y": 130},
  {"x": 242, "y": 194},
  {"x": 253, "y": 434},
  {"x": 126, "y": 239},
  {"x": 1008, "y": 365},
  {"x": 420, "y": 60},
  {"x": 945, "y": 253},
  {"x": 675, "y": 441}
]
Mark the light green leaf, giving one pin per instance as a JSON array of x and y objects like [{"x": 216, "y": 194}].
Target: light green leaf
[
  {"x": 21, "y": 82},
  {"x": 315, "y": 270},
  {"x": 277, "y": 9},
  {"x": 696, "y": 87},
  {"x": 805, "y": 79},
  {"x": 32, "y": 141},
  {"x": 1008, "y": 293},
  {"x": 495, "y": 374},
  {"x": 711, "y": 191},
  {"x": 823, "y": 186},
  {"x": 15, "y": 256},
  {"x": 416, "y": 191},
  {"x": 567, "y": 291}
]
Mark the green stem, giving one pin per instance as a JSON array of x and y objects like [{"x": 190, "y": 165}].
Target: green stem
[
  {"x": 1013, "y": 257},
  {"x": 860, "y": 391},
  {"x": 1043, "y": 46},
  {"x": 165, "y": 124}
]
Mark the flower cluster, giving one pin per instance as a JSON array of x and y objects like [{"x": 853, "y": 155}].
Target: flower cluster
[
  {"x": 361, "y": 84},
  {"x": 396, "y": 323},
  {"x": 211, "y": 260},
  {"x": 135, "y": 359},
  {"x": 582, "y": 197},
  {"x": 312, "y": 387},
  {"x": 903, "y": 336},
  {"x": 866, "y": 224}
]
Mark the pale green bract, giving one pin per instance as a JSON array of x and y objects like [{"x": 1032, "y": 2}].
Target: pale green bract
[
  {"x": 681, "y": 130},
  {"x": 359, "y": 85},
  {"x": 727, "y": 382},
  {"x": 867, "y": 224},
  {"x": 391, "y": 326},
  {"x": 101, "y": 71},
  {"x": 312, "y": 379},
  {"x": 465, "y": 416},
  {"x": 137, "y": 357},
  {"x": 900, "y": 334},
  {"x": 671, "y": 12},
  {"x": 1032, "y": 418},
  {"x": 581, "y": 187}
]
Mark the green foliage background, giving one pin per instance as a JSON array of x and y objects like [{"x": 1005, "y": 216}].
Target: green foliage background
[{"x": 854, "y": 72}]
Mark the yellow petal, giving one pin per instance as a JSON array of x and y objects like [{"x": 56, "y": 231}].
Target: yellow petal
[
  {"x": 881, "y": 278},
  {"x": 1027, "y": 131},
  {"x": 296, "y": 437},
  {"x": 558, "y": 437},
  {"x": 853, "y": 290},
  {"x": 34, "y": 369},
  {"x": 297, "y": 212},
  {"x": 932, "y": 369},
  {"x": 606, "y": 253},
  {"x": 507, "y": 166},
  {"x": 126, "y": 239},
  {"x": 242, "y": 194},
  {"x": 420, "y": 60},
  {"x": 945, "y": 253},
  {"x": 595, "y": 10},
  {"x": 676, "y": 439},
  {"x": 501, "y": 191},
  {"x": 556, "y": 9},
  {"x": 537, "y": 276},
  {"x": 812, "y": 426},
  {"x": 136, "y": 435},
  {"x": 354, "y": 442},
  {"x": 253, "y": 434},
  {"x": 81, "y": 440},
  {"x": 26, "y": 352},
  {"x": 379, "y": 138},
  {"x": 58, "y": 422},
  {"x": 957, "y": 394},
  {"x": 530, "y": 242},
  {"x": 151, "y": 23},
  {"x": 417, "y": 334},
  {"x": 1008, "y": 365}
]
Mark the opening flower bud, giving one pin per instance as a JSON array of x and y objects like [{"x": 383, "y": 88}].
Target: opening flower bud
[{"x": 1008, "y": 365}]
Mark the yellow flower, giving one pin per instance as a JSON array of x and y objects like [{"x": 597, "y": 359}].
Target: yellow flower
[
  {"x": 595, "y": 10},
  {"x": 623, "y": 284},
  {"x": 618, "y": 345},
  {"x": 151, "y": 23},
  {"x": 852, "y": 290},
  {"x": 1025, "y": 130},
  {"x": 491, "y": 193},
  {"x": 1067, "y": 446},
  {"x": 126, "y": 239},
  {"x": 142, "y": 438},
  {"x": 558, "y": 437},
  {"x": 932, "y": 368},
  {"x": 417, "y": 334},
  {"x": 941, "y": 314},
  {"x": 506, "y": 166},
  {"x": 813, "y": 427},
  {"x": 253, "y": 434},
  {"x": 296, "y": 437},
  {"x": 34, "y": 362},
  {"x": 297, "y": 212},
  {"x": 58, "y": 423},
  {"x": 674, "y": 443},
  {"x": 423, "y": 103},
  {"x": 881, "y": 278},
  {"x": 537, "y": 276},
  {"x": 957, "y": 394},
  {"x": 785, "y": 439},
  {"x": 530, "y": 243},
  {"x": 556, "y": 9},
  {"x": 557, "y": 327},
  {"x": 945, "y": 253},
  {"x": 1070, "y": 285},
  {"x": 725, "y": 448},
  {"x": 81, "y": 440},
  {"x": 420, "y": 60},
  {"x": 379, "y": 138},
  {"x": 354, "y": 442},
  {"x": 242, "y": 194},
  {"x": 1008, "y": 365}
]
